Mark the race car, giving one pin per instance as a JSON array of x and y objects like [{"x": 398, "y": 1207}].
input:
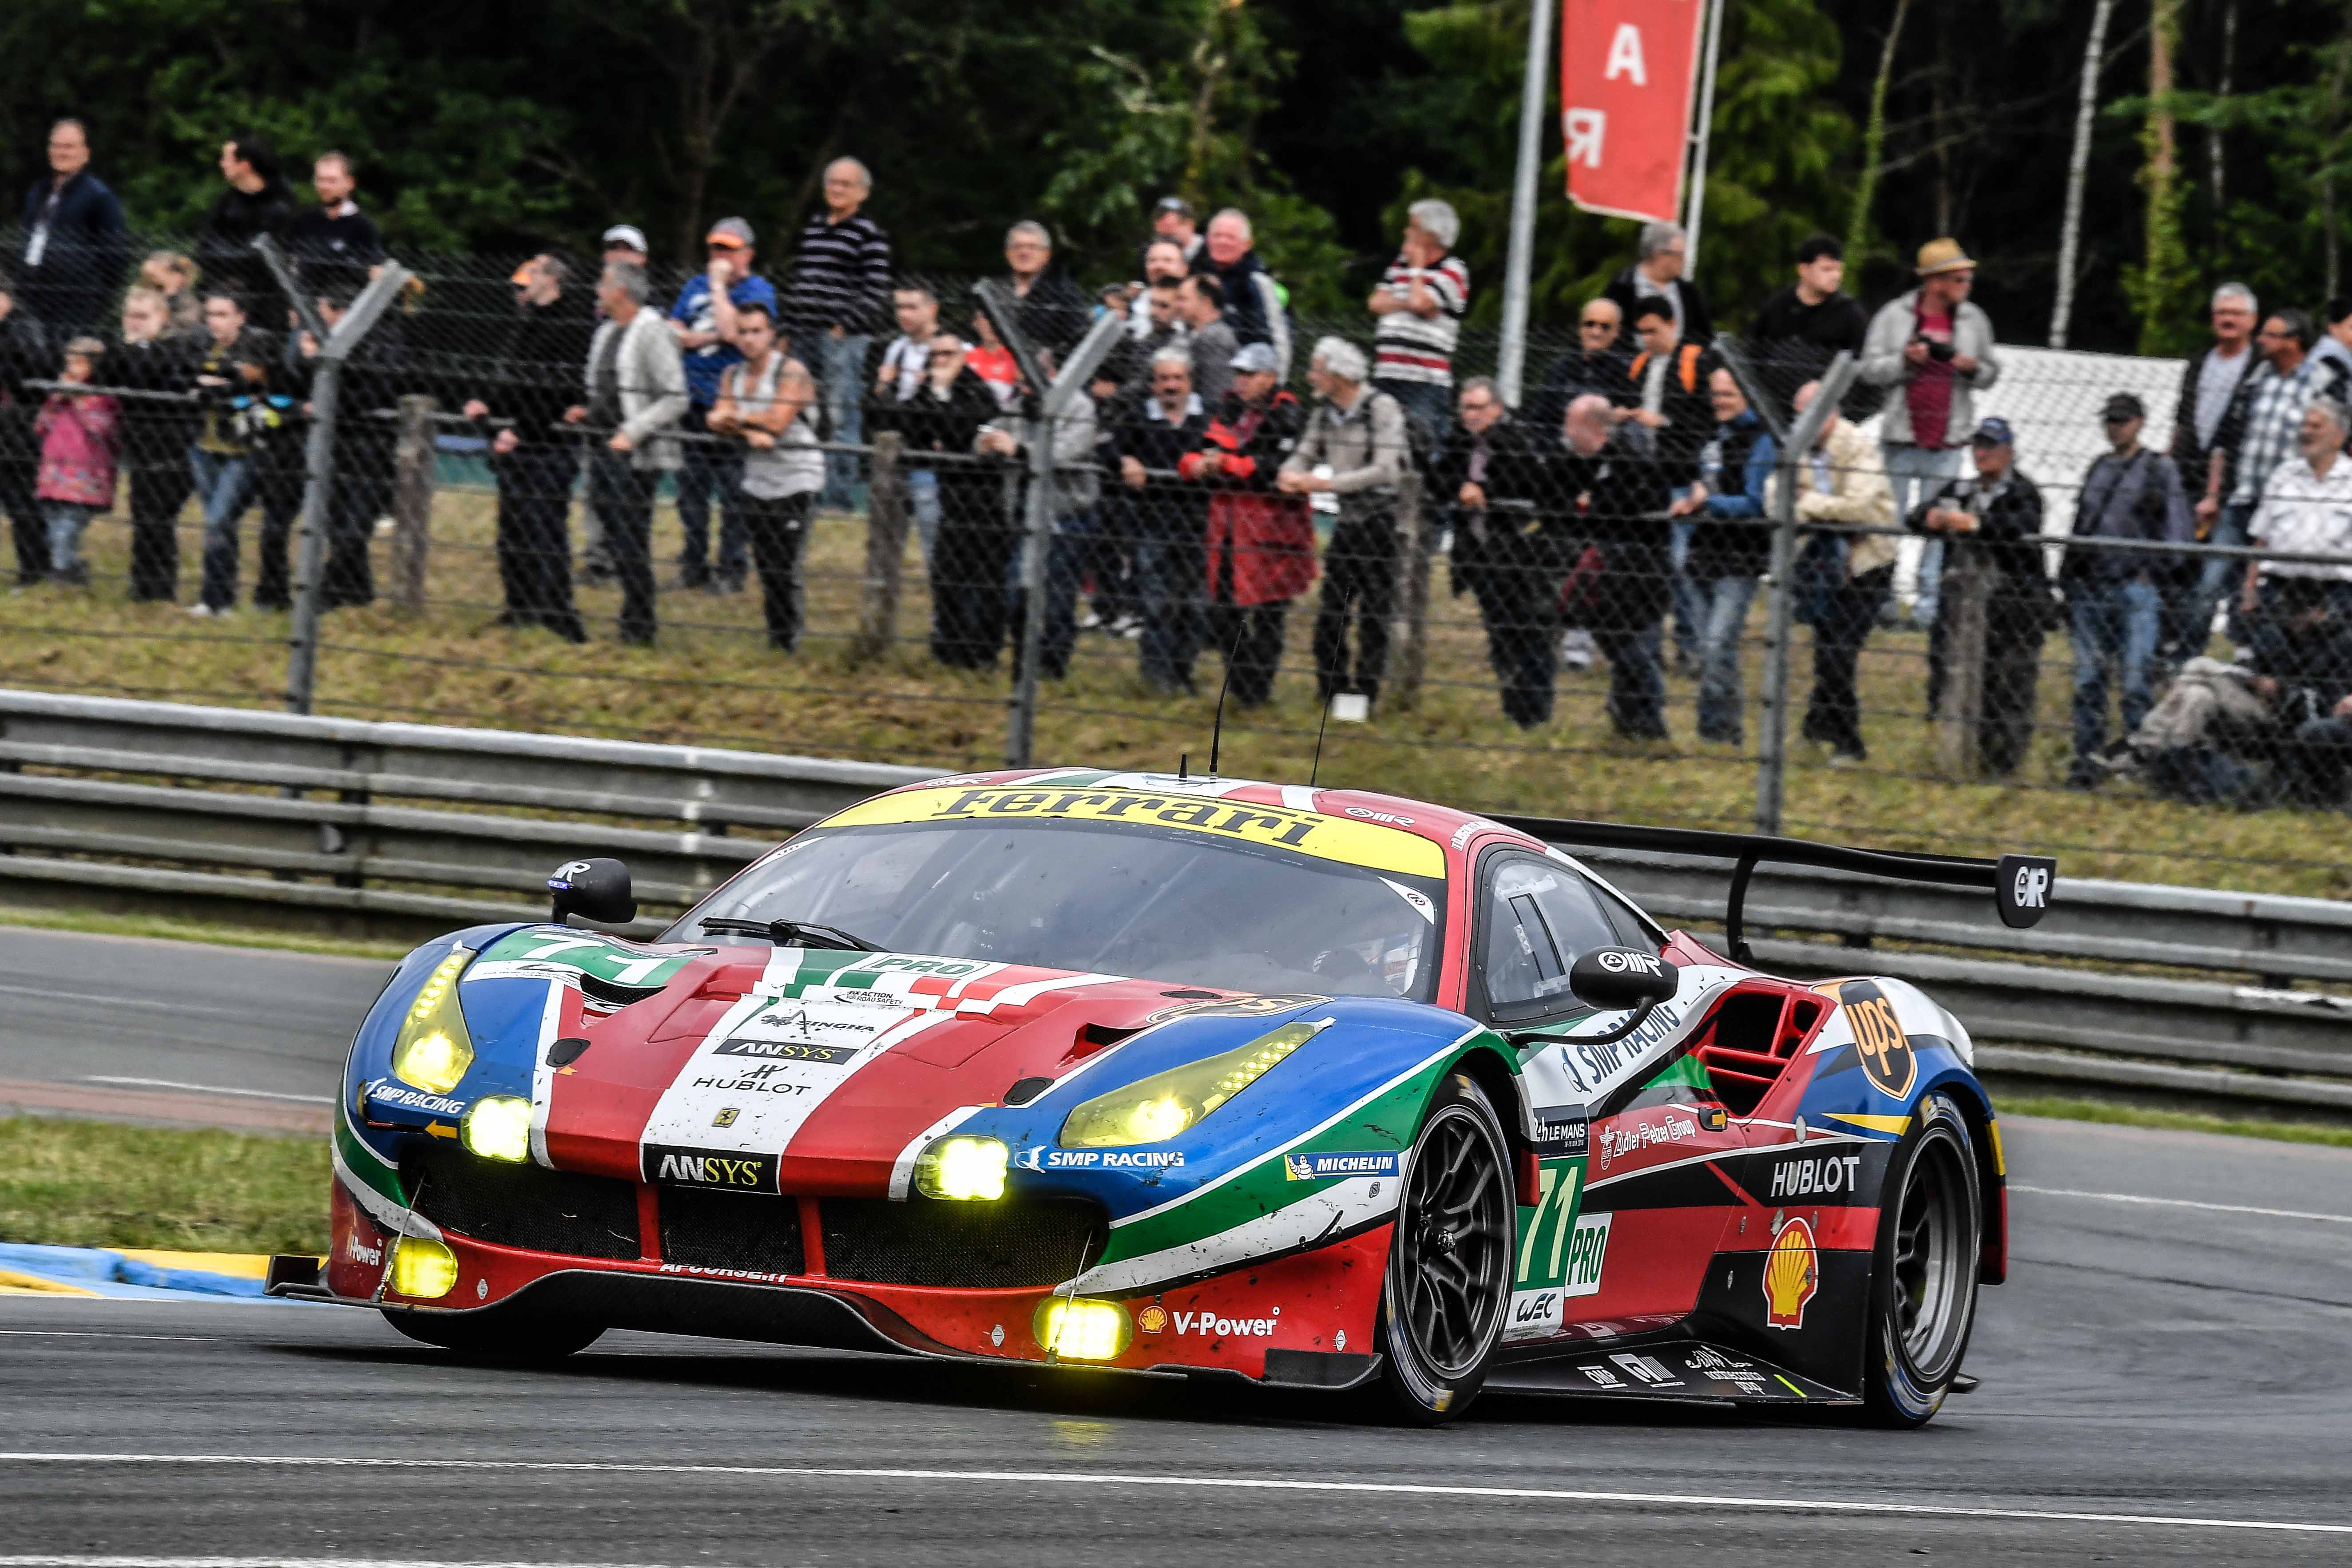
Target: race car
[{"x": 1307, "y": 1087}]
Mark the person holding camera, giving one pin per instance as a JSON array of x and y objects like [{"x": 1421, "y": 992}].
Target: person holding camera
[{"x": 1936, "y": 347}]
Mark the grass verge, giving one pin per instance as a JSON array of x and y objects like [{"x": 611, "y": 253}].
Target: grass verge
[
  {"x": 2108, "y": 1111},
  {"x": 220, "y": 934},
  {"x": 93, "y": 1183}
]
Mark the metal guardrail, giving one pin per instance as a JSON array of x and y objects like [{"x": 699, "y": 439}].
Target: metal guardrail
[{"x": 346, "y": 825}]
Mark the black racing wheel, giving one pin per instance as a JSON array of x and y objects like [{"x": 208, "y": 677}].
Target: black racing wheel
[
  {"x": 1923, "y": 1279},
  {"x": 1448, "y": 1286},
  {"x": 497, "y": 1334}
]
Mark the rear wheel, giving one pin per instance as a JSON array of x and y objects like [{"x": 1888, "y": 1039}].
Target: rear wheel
[
  {"x": 1922, "y": 1282},
  {"x": 498, "y": 1335},
  {"x": 1448, "y": 1285}
]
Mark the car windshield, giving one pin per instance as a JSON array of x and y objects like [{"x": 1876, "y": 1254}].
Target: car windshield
[{"x": 1154, "y": 903}]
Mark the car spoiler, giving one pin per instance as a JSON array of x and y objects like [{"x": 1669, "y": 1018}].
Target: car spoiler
[{"x": 2022, "y": 886}]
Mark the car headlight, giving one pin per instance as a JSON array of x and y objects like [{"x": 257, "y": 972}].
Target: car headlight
[
  {"x": 497, "y": 1127},
  {"x": 422, "y": 1268},
  {"x": 433, "y": 1050},
  {"x": 1081, "y": 1328},
  {"x": 962, "y": 1167},
  {"x": 1156, "y": 1109}
]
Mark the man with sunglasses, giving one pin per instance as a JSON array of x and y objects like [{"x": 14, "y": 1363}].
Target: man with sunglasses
[
  {"x": 2115, "y": 597},
  {"x": 1595, "y": 365}
]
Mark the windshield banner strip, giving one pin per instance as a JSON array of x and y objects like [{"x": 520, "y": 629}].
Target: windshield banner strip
[{"x": 1351, "y": 842}]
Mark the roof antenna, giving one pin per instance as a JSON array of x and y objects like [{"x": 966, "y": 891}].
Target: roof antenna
[
  {"x": 1184, "y": 766},
  {"x": 1217, "y": 730},
  {"x": 1319, "y": 744}
]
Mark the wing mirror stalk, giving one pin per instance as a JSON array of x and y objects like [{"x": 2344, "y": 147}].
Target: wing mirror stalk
[{"x": 1611, "y": 978}]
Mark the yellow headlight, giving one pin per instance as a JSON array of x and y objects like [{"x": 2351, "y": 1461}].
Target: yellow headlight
[
  {"x": 434, "y": 1050},
  {"x": 1083, "y": 1329},
  {"x": 498, "y": 1128},
  {"x": 423, "y": 1268},
  {"x": 1162, "y": 1105},
  {"x": 961, "y": 1167}
]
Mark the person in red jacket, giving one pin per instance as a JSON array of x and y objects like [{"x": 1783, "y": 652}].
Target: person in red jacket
[{"x": 1261, "y": 542}]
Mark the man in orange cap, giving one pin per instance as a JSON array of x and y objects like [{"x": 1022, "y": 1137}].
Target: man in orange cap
[{"x": 704, "y": 321}]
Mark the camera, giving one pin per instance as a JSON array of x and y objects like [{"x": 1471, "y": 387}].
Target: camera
[{"x": 1936, "y": 351}]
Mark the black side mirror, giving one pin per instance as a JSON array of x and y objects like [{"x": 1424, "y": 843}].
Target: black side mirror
[
  {"x": 594, "y": 889},
  {"x": 1615, "y": 977}
]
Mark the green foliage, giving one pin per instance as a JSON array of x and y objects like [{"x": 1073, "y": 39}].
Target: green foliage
[{"x": 93, "y": 1183}]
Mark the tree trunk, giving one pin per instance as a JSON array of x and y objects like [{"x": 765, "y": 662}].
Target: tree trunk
[
  {"x": 2167, "y": 281},
  {"x": 2335, "y": 137},
  {"x": 2213, "y": 136},
  {"x": 2077, "y": 171},
  {"x": 1873, "y": 142}
]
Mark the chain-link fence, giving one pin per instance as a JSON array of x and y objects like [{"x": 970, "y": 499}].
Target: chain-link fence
[{"x": 1651, "y": 593}]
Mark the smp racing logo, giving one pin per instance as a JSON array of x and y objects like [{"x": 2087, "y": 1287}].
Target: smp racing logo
[{"x": 1886, "y": 1057}]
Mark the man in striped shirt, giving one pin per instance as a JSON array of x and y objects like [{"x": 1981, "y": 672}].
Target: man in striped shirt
[
  {"x": 840, "y": 287},
  {"x": 1420, "y": 301}
]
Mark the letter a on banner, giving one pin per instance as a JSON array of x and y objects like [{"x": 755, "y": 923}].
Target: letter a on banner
[{"x": 1627, "y": 68}]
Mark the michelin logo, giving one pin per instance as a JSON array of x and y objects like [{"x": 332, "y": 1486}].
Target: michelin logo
[
  {"x": 1328, "y": 1167},
  {"x": 1097, "y": 1159}
]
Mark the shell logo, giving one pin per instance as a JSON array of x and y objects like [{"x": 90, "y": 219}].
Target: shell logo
[
  {"x": 1792, "y": 1274},
  {"x": 1152, "y": 1318}
]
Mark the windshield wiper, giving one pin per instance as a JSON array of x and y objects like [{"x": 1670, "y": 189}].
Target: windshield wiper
[{"x": 794, "y": 933}]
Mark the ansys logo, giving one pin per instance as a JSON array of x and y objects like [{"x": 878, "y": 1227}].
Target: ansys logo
[{"x": 702, "y": 1168}]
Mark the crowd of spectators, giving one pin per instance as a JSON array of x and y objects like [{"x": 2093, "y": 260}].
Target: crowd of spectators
[{"x": 1208, "y": 473}]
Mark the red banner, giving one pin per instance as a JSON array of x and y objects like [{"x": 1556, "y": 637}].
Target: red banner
[{"x": 1626, "y": 73}]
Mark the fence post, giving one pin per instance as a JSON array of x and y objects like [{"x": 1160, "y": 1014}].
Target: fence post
[
  {"x": 411, "y": 500},
  {"x": 1959, "y": 716},
  {"x": 886, "y": 549},
  {"x": 1412, "y": 643}
]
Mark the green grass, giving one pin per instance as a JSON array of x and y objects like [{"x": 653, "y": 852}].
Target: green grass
[
  {"x": 95, "y": 1184},
  {"x": 2074, "y": 1110},
  {"x": 712, "y": 681},
  {"x": 218, "y": 934}
]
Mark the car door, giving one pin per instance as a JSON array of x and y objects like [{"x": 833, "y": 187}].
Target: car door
[{"x": 1631, "y": 1208}]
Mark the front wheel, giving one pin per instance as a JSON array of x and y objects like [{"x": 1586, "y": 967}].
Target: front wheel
[
  {"x": 1923, "y": 1279},
  {"x": 1448, "y": 1285},
  {"x": 497, "y": 1334}
]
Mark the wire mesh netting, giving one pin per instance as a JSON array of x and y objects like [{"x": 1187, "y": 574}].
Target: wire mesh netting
[{"x": 737, "y": 527}]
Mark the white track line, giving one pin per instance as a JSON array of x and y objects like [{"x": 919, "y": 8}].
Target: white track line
[
  {"x": 2181, "y": 1204},
  {"x": 95, "y": 1334},
  {"x": 214, "y": 1088},
  {"x": 103, "y": 1561},
  {"x": 1204, "y": 1483}
]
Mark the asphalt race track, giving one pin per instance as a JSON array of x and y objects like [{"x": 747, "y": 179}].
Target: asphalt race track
[{"x": 2164, "y": 1380}]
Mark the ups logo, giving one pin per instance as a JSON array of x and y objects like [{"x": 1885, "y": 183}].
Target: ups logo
[{"x": 1887, "y": 1059}]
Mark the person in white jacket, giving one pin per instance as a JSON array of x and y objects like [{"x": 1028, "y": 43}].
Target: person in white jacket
[
  {"x": 1935, "y": 346},
  {"x": 1843, "y": 578},
  {"x": 636, "y": 395}
]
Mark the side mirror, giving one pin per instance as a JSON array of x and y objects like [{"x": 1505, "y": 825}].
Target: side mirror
[
  {"x": 594, "y": 889},
  {"x": 1611, "y": 978}
]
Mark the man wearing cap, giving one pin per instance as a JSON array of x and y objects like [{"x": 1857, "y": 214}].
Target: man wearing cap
[
  {"x": 840, "y": 284},
  {"x": 633, "y": 396},
  {"x": 1261, "y": 543},
  {"x": 2115, "y": 598},
  {"x": 703, "y": 320},
  {"x": 1356, "y": 436},
  {"x": 1999, "y": 510},
  {"x": 1935, "y": 347}
]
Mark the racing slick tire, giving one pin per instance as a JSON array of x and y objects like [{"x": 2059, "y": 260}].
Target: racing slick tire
[
  {"x": 497, "y": 1335},
  {"x": 1923, "y": 1278},
  {"x": 1447, "y": 1288}
]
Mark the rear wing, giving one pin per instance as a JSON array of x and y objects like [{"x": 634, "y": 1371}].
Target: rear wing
[{"x": 2022, "y": 886}]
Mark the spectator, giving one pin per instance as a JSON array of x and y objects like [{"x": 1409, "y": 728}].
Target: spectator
[
  {"x": 1052, "y": 313},
  {"x": 1164, "y": 263},
  {"x": 2306, "y": 510},
  {"x": 2209, "y": 422},
  {"x": 1172, "y": 223},
  {"x": 75, "y": 244},
  {"x": 257, "y": 201},
  {"x": 1210, "y": 338},
  {"x": 1844, "y": 581},
  {"x": 1801, "y": 328},
  {"x": 703, "y": 320},
  {"x": 24, "y": 356},
  {"x": 175, "y": 276},
  {"x": 231, "y": 374},
  {"x": 635, "y": 398},
  {"x": 625, "y": 242},
  {"x": 1071, "y": 494},
  {"x": 1163, "y": 328},
  {"x": 1261, "y": 544},
  {"x": 840, "y": 279},
  {"x": 1354, "y": 449},
  {"x": 529, "y": 386},
  {"x": 905, "y": 365},
  {"x": 770, "y": 400},
  {"x": 156, "y": 431},
  {"x": 373, "y": 377},
  {"x": 1664, "y": 252},
  {"x": 334, "y": 241},
  {"x": 1492, "y": 486},
  {"x": 1595, "y": 365},
  {"x": 1260, "y": 311},
  {"x": 993, "y": 363},
  {"x": 278, "y": 462},
  {"x": 79, "y": 433},
  {"x": 2302, "y": 659},
  {"x": 1729, "y": 551},
  {"x": 1936, "y": 346},
  {"x": 2275, "y": 396},
  {"x": 1671, "y": 402},
  {"x": 2332, "y": 357},
  {"x": 2000, "y": 509},
  {"x": 1621, "y": 490},
  {"x": 2114, "y": 599},
  {"x": 1168, "y": 529},
  {"x": 1420, "y": 303},
  {"x": 943, "y": 421}
]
